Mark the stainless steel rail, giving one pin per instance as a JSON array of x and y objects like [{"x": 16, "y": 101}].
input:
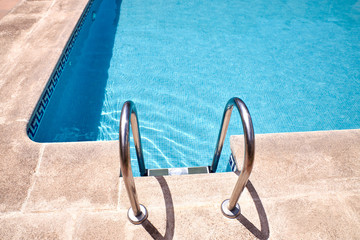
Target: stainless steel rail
[
  {"x": 230, "y": 207},
  {"x": 137, "y": 213}
]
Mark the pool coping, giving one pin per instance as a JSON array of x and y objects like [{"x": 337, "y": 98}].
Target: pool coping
[{"x": 65, "y": 189}]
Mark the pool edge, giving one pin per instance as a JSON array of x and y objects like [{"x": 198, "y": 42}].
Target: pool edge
[{"x": 67, "y": 189}]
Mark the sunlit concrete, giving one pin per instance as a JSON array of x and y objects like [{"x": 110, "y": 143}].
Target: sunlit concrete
[{"x": 303, "y": 185}]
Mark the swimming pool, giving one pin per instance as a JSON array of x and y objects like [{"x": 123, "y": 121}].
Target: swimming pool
[{"x": 294, "y": 63}]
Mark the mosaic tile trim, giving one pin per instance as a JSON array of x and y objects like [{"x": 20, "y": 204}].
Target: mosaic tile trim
[
  {"x": 40, "y": 108},
  {"x": 232, "y": 163}
]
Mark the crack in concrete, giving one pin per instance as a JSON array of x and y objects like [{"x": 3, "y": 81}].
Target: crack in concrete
[{"x": 33, "y": 180}]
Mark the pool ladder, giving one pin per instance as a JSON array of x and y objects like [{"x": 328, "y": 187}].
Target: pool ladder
[{"x": 137, "y": 213}]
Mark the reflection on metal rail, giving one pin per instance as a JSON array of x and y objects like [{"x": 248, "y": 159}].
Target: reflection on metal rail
[
  {"x": 230, "y": 207},
  {"x": 137, "y": 213}
]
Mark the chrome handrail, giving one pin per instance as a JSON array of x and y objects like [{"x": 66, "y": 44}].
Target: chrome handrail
[
  {"x": 230, "y": 207},
  {"x": 137, "y": 213}
]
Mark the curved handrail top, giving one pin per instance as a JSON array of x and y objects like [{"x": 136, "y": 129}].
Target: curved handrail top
[
  {"x": 249, "y": 136},
  {"x": 129, "y": 114}
]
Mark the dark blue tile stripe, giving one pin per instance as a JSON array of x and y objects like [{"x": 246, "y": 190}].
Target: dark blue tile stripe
[
  {"x": 38, "y": 114},
  {"x": 232, "y": 163}
]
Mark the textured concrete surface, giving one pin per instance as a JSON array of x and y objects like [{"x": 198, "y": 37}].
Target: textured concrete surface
[
  {"x": 18, "y": 162},
  {"x": 83, "y": 175},
  {"x": 37, "y": 226},
  {"x": 303, "y": 186},
  {"x": 312, "y": 183},
  {"x": 6, "y": 6},
  {"x": 24, "y": 70}
]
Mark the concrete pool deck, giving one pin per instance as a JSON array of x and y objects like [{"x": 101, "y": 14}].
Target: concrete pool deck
[
  {"x": 303, "y": 185},
  {"x": 6, "y": 6}
]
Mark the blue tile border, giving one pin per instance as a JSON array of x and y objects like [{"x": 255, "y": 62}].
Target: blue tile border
[
  {"x": 44, "y": 100},
  {"x": 232, "y": 163}
]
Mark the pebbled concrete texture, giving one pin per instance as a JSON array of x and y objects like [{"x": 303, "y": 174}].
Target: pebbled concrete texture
[
  {"x": 17, "y": 165},
  {"x": 303, "y": 185},
  {"x": 6, "y": 6},
  {"x": 37, "y": 226},
  {"x": 82, "y": 175},
  {"x": 313, "y": 182}
]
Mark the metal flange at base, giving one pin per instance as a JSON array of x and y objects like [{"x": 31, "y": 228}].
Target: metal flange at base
[
  {"x": 138, "y": 219},
  {"x": 234, "y": 213}
]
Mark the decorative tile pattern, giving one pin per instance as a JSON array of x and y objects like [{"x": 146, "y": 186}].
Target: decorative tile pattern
[
  {"x": 232, "y": 163},
  {"x": 39, "y": 112}
]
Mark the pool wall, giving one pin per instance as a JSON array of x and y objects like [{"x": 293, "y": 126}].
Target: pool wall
[
  {"x": 303, "y": 185},
  {"x": 55, "y": 76}
]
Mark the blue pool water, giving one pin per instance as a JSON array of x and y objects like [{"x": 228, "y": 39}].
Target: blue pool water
[{"x": 296, "y": 64}]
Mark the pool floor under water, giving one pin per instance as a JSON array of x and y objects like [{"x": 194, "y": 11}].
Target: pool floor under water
[{"x": 296, "y": 64}]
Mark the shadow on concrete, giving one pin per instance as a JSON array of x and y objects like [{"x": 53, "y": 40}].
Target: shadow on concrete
[
  {"x": 170, "y": 216},
  {"x": 264, "y": 224}
]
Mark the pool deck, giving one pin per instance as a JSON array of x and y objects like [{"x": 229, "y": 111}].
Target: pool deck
[
  {"x": 303, "y": 185},
  {"x": 6, "y": 6}
]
